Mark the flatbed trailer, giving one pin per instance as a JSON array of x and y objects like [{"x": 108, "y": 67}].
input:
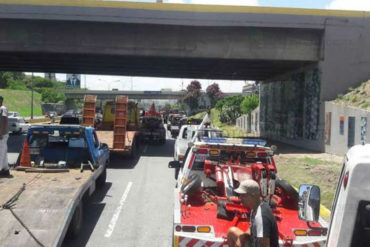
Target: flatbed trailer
[
  {"x": 119, "y": 128},
  {"x": 42, "y": 200},
  {"x": 46, "y": 206}
]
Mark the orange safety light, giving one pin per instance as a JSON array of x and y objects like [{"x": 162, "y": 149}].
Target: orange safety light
[
  {"x": 204, "y": 229},
  {"x": 251, "y": 154},
  {"x": 214, "y": 152},
  {"x": 300, "y": 232}
]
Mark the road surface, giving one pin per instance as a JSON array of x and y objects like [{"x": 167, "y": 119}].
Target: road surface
[{"x": 135, "y": 208}]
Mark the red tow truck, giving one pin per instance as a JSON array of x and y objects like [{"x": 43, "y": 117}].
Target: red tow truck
[{"x": 206, "y": 205}]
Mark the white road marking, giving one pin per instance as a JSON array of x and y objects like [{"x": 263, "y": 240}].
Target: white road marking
[
  {"x": 145, "y": 149},
  {"x": 117, "y": 212}
]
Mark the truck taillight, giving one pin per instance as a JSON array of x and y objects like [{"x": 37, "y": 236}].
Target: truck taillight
[
  {"x": 300, "y": 232},
  {"x": 205, "y": 229},
  {"x": 262, "y": 155},
  {"x": 201, "y": 229},
  {"x": 188, "y": 228},
  {"x": 251, "y": 154},
  {"x": 345, "y": 179},
  {"x": 314, "y": 233},
  {"x": 202, "y": 151}
]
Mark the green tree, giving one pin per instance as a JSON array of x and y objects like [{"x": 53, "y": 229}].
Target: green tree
[
  {"x": 49, "y": 95},
  {"x": 230, "y": 109},
  {"x": 249, "y": 103}
]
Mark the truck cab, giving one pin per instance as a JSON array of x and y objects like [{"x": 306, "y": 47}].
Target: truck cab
[{"x": 350, "y": 213}]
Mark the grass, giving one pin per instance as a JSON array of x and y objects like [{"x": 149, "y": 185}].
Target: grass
[
  {"x": 356, "y": 97},
  {"x": 230, "y": 130},
  {"x": 20, "y": 101},
  {"x": 308, "y": 170}
]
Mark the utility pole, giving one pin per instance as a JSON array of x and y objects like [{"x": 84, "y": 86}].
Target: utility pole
[{"x": 32, "y": 96}]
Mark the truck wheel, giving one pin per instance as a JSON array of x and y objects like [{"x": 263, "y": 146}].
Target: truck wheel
[
  {"x": 75, "y": 225},
  {"x": 100, "y": 182},
  {"x": 133, "y": 153},
  {"x": 287, "y": 188},
  {"x": 193, "y": 184}
]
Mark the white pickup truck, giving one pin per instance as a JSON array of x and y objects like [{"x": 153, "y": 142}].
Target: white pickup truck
[
  {"x": 350, "y": 213},
  {"x": 186, "y": 135}
]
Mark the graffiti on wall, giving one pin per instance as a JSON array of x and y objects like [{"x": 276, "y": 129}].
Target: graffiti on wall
[
  {"x": 290, "y": 108},
  {"x": 341, "y": 125},
  {"x": 363, "y": 129}
]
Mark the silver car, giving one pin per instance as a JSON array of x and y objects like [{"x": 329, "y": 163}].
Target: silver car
[{"x": 17, "y": 125}]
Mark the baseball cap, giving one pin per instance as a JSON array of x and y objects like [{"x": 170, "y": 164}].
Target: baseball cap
[{"x": 248, "y": 186}]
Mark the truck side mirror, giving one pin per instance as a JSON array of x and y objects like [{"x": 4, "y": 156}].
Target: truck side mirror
[
  {"x": 174, "y": 164},
  {"x": 309, "y": 203},
  {"x": 103, "y": 146}
]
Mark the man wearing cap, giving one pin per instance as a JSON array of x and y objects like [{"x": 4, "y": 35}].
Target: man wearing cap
[
  {"x": 4, "y": 168},
  {"x": 263, "y": 231}
]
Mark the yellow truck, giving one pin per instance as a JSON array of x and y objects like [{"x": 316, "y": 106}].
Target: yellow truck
[{"x": 119, "y": 126}]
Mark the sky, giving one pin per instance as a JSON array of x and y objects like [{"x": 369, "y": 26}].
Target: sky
[{"x": 96, "y": 82}]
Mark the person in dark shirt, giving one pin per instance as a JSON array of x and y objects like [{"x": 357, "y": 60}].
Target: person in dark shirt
[{"x": 263, "y": 231}]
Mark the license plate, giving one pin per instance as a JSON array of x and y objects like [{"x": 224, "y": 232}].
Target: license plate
[{"x": 174, "y": 127}]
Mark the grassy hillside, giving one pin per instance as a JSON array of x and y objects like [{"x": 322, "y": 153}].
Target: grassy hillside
[
  {"x": 357, "y": 97},
  {"x": 20, "y": 101},
  {"x": 229, "y": 130}
]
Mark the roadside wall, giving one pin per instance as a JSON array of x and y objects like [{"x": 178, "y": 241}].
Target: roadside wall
[
  {"x": 345, "y": 127},
  {"x": 249, "y": 122},
  {"x": 290, "y": 109}
]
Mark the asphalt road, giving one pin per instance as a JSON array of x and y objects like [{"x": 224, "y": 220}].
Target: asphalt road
[{"x": 135, "y": 208}]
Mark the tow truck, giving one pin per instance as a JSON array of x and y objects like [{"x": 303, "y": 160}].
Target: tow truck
[
  {"x": 151, "y": 127},
  {"x": 206, "y": 205},
  {"x": 42, "y": 201},
  {"x": 350, "y": 212}
]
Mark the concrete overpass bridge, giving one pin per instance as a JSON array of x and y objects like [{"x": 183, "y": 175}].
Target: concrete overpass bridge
[
  {"x": 138, "y": 95},
  {"x": 302, "y": 57}
]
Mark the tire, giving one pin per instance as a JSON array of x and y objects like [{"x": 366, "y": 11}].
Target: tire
[
  {"x": 287, "y": 188},
  {"x": 134, "y": 150},
  {"x": 75, "y": 225},
  {"x": 192, "y": 185},
  {"x": 289, "y": 194},
  {"x": 100, "y": 182}
]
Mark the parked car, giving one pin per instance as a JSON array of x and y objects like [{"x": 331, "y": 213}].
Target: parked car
[
  {"x": 13, "y": 114},
  {"x": 17, "y": 125},
  {"x": 51, "y": 114}
]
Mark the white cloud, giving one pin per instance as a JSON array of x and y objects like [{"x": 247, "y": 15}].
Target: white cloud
[{"x": 362, "y": 5}]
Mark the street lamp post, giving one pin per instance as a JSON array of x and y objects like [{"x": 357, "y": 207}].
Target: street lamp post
[{"x": 32, "y": 96}]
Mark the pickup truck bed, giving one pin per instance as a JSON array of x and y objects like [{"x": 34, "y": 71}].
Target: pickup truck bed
[{"x": 46, "y": 205}]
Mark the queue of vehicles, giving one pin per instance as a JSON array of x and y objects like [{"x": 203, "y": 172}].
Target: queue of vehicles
[{"x": 208, "y": 167}]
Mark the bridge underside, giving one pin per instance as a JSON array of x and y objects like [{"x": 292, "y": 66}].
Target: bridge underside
[{"x": 231, "y": 69}]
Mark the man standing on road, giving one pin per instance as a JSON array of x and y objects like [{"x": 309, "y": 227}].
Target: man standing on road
[
  {"x": 263, "y": 231},
  {"x": 4, "y": 168}
]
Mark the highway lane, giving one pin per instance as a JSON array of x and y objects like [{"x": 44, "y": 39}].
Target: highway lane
[{"x": 135, "y": 208}]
